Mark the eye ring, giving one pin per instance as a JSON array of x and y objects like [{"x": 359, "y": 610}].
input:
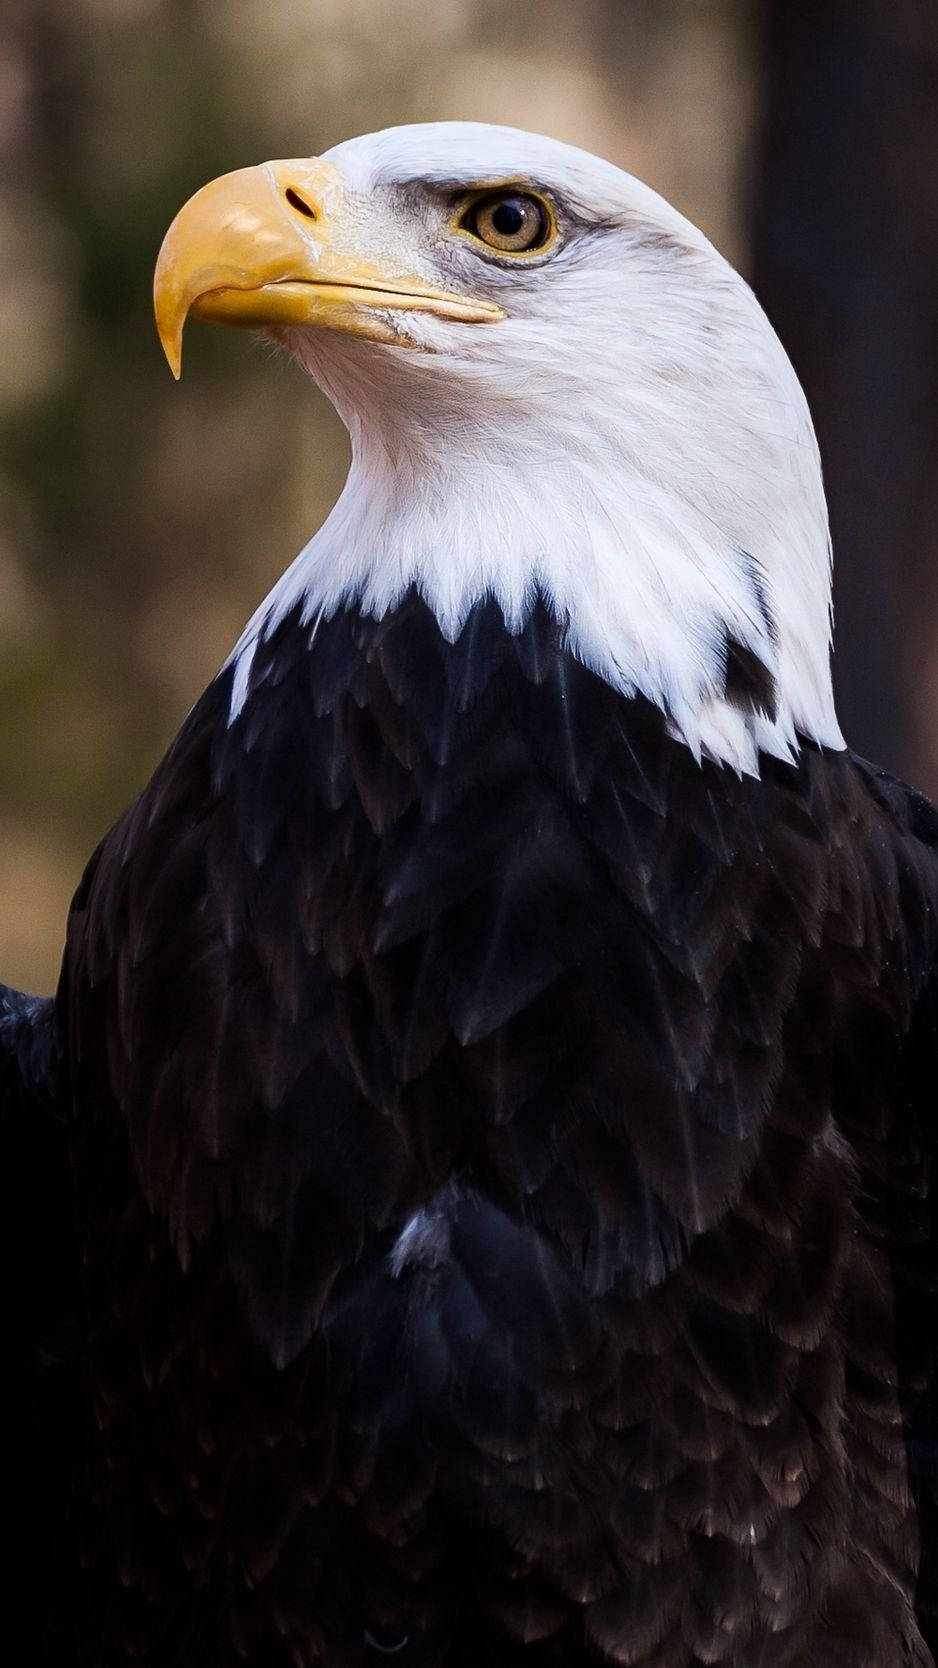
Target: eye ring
[
  {"x": 509, "y": 221},
  {"x": 385, "y": 1640}
]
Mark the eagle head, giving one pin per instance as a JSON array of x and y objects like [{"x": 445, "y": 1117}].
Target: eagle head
[{"x": 555, "y": 386}]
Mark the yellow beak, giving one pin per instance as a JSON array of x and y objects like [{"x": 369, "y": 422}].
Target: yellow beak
[{"x": 262, "y": 247}]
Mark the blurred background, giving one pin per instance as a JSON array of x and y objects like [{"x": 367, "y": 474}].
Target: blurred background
[{"x": 141, "y": 522}]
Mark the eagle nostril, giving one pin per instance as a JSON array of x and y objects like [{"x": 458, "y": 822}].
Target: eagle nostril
[{"x": 296, "y": 201}]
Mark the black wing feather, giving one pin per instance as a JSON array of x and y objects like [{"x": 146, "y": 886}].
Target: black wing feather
[{"x": 504, "y": 1150}]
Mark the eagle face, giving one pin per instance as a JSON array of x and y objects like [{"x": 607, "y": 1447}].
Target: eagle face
[
  {"x": 500, "y": 263},
  {"x": 457, "y": 224}
]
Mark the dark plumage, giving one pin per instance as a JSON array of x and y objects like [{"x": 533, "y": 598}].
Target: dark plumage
[{"x": 501, "y": 1154}]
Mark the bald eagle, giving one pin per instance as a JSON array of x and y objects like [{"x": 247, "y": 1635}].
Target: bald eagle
[{"x": 475, "y": 1173}]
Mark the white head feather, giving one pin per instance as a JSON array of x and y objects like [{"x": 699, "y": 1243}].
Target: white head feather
[{"x": 630, "y": 438}]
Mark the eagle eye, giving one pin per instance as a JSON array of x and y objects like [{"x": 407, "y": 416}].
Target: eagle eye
[{"x": 510, "y": 222}]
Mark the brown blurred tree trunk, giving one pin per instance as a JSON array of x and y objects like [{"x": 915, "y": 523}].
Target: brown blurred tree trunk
[{"x": 846, "y": 265}]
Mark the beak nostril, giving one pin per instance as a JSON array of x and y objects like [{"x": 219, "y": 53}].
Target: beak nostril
[{"x": 296, "y": 201}]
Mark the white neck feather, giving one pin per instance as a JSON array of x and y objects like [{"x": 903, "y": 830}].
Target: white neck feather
[{"x": 661, "y": 488}]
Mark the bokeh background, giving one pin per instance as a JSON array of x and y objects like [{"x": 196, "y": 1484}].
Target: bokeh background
[{"x": 141, "y": 522}]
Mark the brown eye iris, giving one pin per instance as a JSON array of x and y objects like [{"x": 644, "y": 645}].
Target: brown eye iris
[{"x": 510, "y": 221}]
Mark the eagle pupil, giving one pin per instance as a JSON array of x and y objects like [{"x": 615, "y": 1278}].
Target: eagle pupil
[{"x": 509, "y": 218}]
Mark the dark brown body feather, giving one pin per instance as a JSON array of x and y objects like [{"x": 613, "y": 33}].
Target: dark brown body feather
[{"x": 501, "y": 1155}]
